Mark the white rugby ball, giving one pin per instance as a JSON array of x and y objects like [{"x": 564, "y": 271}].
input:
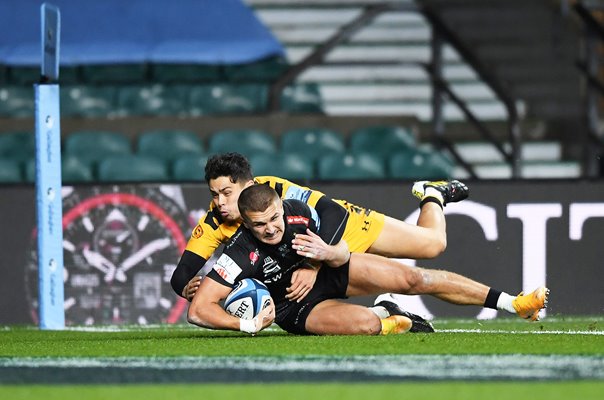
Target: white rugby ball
[{"x": 247, "y": 299}]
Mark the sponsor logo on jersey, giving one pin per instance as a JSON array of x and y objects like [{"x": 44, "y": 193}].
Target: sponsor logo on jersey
[
  {"x": 254, "y": 255},
  {"x": 197, "y": 232},
  {"x": 297, "y": 219},
  {"x": 233, "y": 239},
  {"x": 227, "y": 268}
]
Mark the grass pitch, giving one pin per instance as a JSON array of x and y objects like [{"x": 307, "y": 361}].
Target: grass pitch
[{"x": 556, "y": 338}]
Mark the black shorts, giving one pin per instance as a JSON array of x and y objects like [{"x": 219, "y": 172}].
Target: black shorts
[{"x": 331, "y": 283}]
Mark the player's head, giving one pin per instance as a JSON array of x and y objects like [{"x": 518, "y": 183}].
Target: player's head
[
  {"x": 227, "y": 175},
  {"x": 261, "y": 210}
]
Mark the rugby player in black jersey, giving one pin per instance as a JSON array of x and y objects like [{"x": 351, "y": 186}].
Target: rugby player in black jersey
[
  {"x": 364, "y": 230},
  {"x": 279, "y": 237}
]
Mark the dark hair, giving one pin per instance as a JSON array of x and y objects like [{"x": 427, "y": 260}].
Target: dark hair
[
  {"x": 256, "y": 198},
  {"x": 233, "y": 165}
]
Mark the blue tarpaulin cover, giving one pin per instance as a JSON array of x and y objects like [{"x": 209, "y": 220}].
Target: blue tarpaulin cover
[{"x": 135, "y": 31}]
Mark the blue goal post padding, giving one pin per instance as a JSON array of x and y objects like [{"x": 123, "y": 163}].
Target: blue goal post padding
[{"x": 49, "y": 203}]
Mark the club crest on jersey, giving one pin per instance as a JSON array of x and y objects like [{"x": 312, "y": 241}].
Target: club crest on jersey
[
  {"x": 270, "y": 266},
  {"x": 197, "y": 231},
  {"x": 297, "y": 219}
]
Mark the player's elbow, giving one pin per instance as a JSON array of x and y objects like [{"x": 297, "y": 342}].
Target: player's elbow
[{"x": 195, "y": 316}]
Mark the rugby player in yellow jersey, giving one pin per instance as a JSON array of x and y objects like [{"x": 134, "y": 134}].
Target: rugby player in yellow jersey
[{"x": 364, "y": 230}]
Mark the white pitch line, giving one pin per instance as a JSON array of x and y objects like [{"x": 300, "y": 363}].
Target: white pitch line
[{"x": 554, "y": 332}]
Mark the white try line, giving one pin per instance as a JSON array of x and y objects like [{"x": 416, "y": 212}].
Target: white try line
[{"x": 513, "y": 332}]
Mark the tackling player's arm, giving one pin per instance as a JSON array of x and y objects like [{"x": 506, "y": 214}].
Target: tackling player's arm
[{"x": 204, "y": 240}]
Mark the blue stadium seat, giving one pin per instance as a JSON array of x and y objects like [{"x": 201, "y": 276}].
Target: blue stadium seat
[
  {"x": 93, "y": 146},
  {"x": 248, "y": 142},
  {"x": 418, "y": 164},
  {"x": 291, "y": 166},
  {"x": 10, "y": 171},
  {"x": 16, "y": 102},
  {"x": 152, "y": 100},
  {"x": 302, "y": 98},
  {"x": 383, "y": 140},
  {"x": 73, "y": 170},
  {"x": 189, "y": 168},
  {"x": 20, "y": 145},
  {"x": 227, "y": 99},
  {"x": 132, "y": 168},
  {"x": 169, "y": 144},
  {"x": 349, "y": 166},
  {"x": 313, "y": 142},
  {"x": 88, "y": 101}
]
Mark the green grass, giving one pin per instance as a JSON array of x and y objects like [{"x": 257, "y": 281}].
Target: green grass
[
  {"x": 411, "y": 390},
  {"x": 504, "y": 336},
  {"x": 555, "y": 335}
]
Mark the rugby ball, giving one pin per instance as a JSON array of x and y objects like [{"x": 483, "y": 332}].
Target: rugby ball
[{"x": 247, "y": 299}]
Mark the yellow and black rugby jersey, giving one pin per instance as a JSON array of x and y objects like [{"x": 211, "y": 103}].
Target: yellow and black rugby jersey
[{"x": 211, "y": 230}]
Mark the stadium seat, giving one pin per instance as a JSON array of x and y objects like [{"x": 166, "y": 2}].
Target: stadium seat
[
  {"x": 114, "y": 73},
  {"x": 189, "y": 168},
  {"x": 16, "y": 102},
  {"x": 185, "y": 73},
  {"x": 152, "y": 100},
  {"x": 18, "y": 146},
  {"x": 73, "y": 170},
  {"x": 382, "y": 140},
  {"x": 313, "y": 142},
  {"x": 132, "y": 168},
  {"x": 302, "y": 98},
  {"x": 227, "y": 99},
  {"x": 248, "y": 142},
  {"x": 350, "y": 166},
  {"x": 266, "y": 70},
  {"x": 290, "y": 166},
  {"x": 10, "y": 171},
  {"x": 88, "y": 101},
  {"x": 169, "y": 144},
  {"x": 93, "y": 146},
  {"x": 419, "y": 164}
]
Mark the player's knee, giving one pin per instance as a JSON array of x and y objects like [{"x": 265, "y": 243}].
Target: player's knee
[
  {"x": 413, "y": 280},
  {"x": 437, "y": 246}
]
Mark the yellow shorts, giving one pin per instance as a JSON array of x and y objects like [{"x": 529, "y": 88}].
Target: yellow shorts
[{"x": 363, "y": 227}]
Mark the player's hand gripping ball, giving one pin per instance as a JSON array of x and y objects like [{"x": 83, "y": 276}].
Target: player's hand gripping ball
[{"x": 247, "y": 299}]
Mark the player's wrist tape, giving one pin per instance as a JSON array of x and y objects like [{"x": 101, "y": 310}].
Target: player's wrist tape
[
  {"x": 430, "y": 199},
  {"x": 247, "y": 325}
]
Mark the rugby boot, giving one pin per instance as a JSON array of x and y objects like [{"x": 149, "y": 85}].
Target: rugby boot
[
  {"x": 450, "y": 191},
  {"x": 528, "y": 306},
  {"x": 395, "y": 324},
  {"x": 419, "y": 324}
]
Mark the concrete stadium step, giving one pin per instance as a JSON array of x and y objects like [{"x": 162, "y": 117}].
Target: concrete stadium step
[
  {"x": 485, "y": 152},
  {"x": 529, "y": 170}
]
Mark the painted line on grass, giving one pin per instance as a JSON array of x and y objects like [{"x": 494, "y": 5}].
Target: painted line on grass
[{"x": 299, "y": 368}]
